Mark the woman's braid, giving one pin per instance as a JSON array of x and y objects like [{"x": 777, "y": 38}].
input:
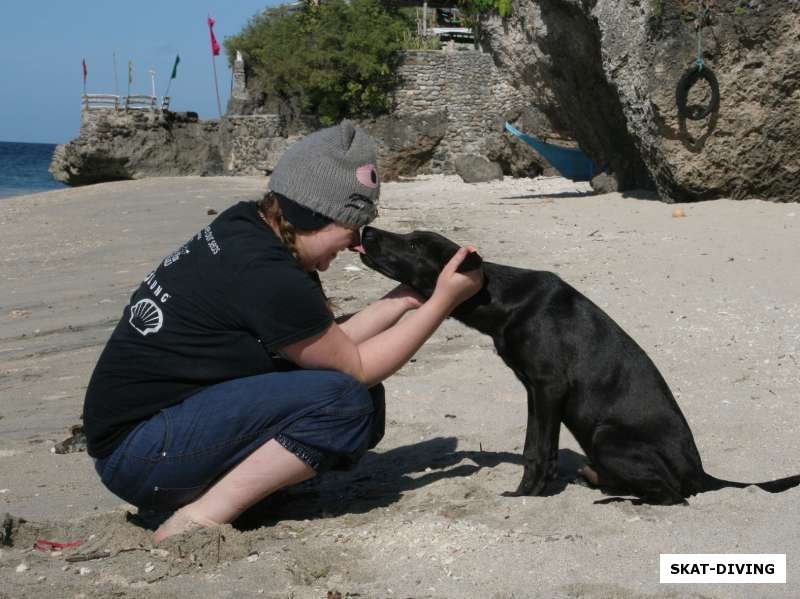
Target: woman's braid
[{"x": 272, "y": 213}]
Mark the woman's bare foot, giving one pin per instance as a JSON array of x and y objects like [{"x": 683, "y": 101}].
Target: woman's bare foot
[
  {"x": 179, "y": 523},
  {"x": 589, "y": 474}
]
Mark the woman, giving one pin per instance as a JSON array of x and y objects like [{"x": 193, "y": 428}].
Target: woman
[{"x": 227, "y": 377}]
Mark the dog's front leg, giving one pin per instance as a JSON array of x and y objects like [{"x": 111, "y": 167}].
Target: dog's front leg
[{"x": 540, "y": 454}]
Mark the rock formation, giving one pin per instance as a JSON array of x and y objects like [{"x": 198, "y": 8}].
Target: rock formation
[
  {"x": 115, "y": 145},
  {"x": 607, "y": 71}
]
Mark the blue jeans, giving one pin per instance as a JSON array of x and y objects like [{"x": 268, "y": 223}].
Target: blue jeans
[{"x": 326, "y": 418}]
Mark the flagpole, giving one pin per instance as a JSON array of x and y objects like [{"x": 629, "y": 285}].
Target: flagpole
[
  {"x": 173, "y": 74},
  {"x": 216, "y": 85},
  {"x": 214, "y": 52},
  {"x": 116, "y": 80}
]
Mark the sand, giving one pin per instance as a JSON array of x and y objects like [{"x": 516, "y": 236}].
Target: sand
[{"x": 713, "y": 297}]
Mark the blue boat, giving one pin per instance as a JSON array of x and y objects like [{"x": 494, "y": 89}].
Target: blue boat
[{"x": 571, "y": 163}]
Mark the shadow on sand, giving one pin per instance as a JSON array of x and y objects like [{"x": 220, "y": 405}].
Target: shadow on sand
[
  {"x": 635, "y": 194},
  {"x": 555, "y": 196},
  {"x": 381, "y": 479}
]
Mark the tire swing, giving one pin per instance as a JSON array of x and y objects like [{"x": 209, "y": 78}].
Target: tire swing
[{"x": 693, "y": 74}]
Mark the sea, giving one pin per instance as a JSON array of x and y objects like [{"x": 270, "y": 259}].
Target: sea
[{"x": 23, "y": 168}]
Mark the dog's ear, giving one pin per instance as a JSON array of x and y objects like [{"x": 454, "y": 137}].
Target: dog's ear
[{"x": 471, "y": 262}]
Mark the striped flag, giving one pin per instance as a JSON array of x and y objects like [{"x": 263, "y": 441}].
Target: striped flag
[{"x": 214, "y": 44}]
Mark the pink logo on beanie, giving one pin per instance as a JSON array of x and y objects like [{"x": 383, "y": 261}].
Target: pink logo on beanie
[{"x": 367, "y": 175}]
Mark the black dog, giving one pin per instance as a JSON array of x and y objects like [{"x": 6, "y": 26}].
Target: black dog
[{"x": 578, "y": 367}]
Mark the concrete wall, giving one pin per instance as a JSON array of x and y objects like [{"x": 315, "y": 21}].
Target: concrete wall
[
  {"x": 468, "y": 86},
  {"x": 251, "y": 145}
]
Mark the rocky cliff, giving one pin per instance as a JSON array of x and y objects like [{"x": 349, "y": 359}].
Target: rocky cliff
[{"x": 607, "y": 70}]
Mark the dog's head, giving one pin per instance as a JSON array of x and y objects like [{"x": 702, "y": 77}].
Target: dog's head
[{"x": 415, "y": 258}]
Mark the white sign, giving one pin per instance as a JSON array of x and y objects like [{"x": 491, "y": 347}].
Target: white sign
[{"x": 758, "y": 568}]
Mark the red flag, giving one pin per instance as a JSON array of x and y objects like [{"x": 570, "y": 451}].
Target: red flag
[
  {"x": 84, "y": 70},
  {"x": 214, "y": 44}
]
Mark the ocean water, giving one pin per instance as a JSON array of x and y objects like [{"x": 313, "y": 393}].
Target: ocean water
[{"x": 23, "y": 168}]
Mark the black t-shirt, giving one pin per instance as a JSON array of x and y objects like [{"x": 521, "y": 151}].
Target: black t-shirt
[{"x": 212, "y": 311}]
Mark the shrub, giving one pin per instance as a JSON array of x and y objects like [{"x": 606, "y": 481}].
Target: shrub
[
  {"x": 411, "y": 41},
  {"x": 338, "y": 58}
]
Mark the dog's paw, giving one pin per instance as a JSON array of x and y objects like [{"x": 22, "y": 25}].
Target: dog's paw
[{"x": 528, "y": 488}]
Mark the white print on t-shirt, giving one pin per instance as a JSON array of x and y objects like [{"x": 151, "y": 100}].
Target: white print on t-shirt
[
  {"x": 212, "y": 243},
  {"x": 176, "y": 255},
  {"x": 158, "y": 291},
  {"x": 146, "y": 317}
]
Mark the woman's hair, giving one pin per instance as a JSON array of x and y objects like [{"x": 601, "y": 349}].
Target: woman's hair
[{"x": 272, "y": 213}]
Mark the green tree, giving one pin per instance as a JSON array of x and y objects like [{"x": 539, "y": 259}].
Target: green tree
[
  {"x": 338, "y": 58},
  {"x": 473, "y": 10}
]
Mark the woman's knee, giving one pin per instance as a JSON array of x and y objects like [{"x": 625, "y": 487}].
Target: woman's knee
[
  {"x": 362, "y": 411},
  {"x": 340, "y": 431},
  {"x": 353, "y": 398}
]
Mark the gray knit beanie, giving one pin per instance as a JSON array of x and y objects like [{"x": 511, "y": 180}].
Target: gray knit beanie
[{"x": 332, "y": 172}]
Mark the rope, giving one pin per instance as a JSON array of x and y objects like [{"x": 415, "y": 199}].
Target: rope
[
  {"x": 703, "y": 19},
  {"x": 698, "y": 70}
]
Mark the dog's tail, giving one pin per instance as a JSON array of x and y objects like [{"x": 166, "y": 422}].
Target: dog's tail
[{"x": 712, "y": 483}]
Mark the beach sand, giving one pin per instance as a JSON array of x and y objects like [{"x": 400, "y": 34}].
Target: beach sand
[{"x": 714, "y": 298}]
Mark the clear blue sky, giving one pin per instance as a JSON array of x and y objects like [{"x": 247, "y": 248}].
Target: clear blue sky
[{"x": 43, "y": 42}]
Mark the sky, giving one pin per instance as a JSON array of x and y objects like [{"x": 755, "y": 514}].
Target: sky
[{"x": 43, "y": 42}]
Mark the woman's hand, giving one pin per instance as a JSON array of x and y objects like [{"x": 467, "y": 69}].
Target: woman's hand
[
  {"x": 370, "y": 357},
  {"x": 412, "y": 299},
  {"x": 457, "y": 286}
]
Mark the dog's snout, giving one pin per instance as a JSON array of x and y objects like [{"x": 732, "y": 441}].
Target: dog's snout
[
  {"x": 370, "y": 239},
  {"x": 368, "y": 234}
]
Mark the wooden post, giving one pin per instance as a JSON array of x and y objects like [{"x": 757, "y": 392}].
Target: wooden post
[
  {"x": 425, "y": 18},
  {"x": 152, "y": 81},
  {"x": 116, "y": 82}
]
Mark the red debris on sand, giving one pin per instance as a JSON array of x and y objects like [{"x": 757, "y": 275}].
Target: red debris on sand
[{"x": 45, "y": 545}]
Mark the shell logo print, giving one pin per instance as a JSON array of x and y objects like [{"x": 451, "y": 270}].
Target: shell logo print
[{"x": 146, "y": 317}]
